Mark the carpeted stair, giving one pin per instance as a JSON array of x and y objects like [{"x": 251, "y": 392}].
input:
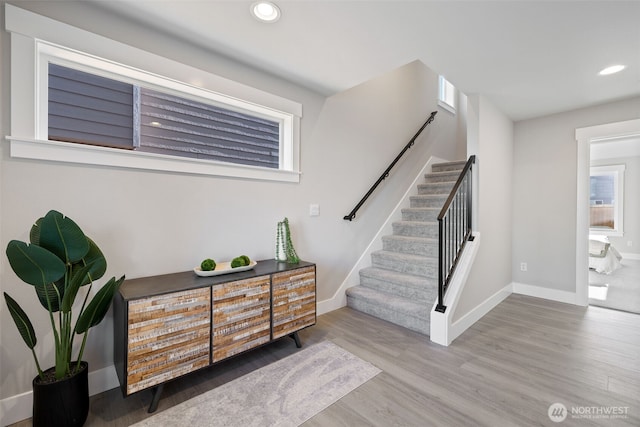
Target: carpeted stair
[{"x": 401, "y": 284}]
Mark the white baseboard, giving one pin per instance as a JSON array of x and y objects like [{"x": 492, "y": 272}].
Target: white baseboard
[
  {"x": 20, "y": 407},
  {"x": 466, "y": 321},
  {"x": 546, "y": 293}
]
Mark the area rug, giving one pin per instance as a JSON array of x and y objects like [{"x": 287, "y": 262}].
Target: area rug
[{"x": 285, "y": 393}]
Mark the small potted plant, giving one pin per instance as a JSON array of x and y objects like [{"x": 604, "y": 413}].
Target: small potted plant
[{"x": 59, "y": 260}]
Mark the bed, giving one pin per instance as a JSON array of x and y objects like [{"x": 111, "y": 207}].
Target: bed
[{"x": 603, "y": 257}]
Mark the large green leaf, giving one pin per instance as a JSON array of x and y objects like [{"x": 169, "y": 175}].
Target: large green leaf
[
  {"x": 98, "y": 307},
  {"x": 33, "y": 264},
  {"x": 63, "y": 237},
  {"x": 76, "y": 280},
  {"x": 96, "y": 261},
  {"x": 55, "y": 292},
  {"x": 22, "y": 322},
  {"x": 34, "y": 234}
]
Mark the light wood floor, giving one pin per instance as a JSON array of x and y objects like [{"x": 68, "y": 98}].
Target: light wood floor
[{"x": 506, "y": 370}]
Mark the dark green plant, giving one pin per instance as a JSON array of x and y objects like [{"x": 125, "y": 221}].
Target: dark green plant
[
  {"x": 240, "y": 261},
  {"x": 208, "y": 265},
  {"x": 59, "y": 260}
]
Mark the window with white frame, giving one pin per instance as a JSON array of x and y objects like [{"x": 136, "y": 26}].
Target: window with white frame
[
  {"x": 446, "y": 94},
  {"x": 125, "y": 111},
  {"x": 89, "y": 109},
  {"x": 606, "y": 200}
]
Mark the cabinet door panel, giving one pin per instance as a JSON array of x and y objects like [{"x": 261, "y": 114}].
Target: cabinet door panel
[
  {"x": 294, "y": 301},
  {"x": 241, "y": 316},
  {"x": 167, "y": 336}
]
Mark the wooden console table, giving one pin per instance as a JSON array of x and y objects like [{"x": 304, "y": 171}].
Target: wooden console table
[{"x": 171, "y": 325}]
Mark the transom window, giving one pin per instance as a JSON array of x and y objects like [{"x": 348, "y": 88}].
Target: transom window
[{"x": 95, "y": 110}]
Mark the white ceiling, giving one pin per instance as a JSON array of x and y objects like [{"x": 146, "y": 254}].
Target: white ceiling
[{"x": 530, "y": 58}]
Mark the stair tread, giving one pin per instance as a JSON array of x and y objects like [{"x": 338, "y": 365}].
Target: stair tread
[
  {"x": 416, "y": 223},
  {"x": 411, "y": 238},
  {"x": 398, "y": 303},
  {"x": 439, "y": 182},
  {"x": 408, "y": 257},
  {"x": 395, "y": 276},
  {"x": 428, "y": 196}
]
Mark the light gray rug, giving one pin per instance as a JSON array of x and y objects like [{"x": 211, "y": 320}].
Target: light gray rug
[{"x": 285, "y": 393}]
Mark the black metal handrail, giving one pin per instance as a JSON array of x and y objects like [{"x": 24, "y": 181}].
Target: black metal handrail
[
  {"x": 385, "y": 174},
  {"x": 454, "y": 229}
]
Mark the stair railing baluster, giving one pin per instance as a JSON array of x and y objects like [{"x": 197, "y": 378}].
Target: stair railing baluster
[{"x": 451, "y": 243}]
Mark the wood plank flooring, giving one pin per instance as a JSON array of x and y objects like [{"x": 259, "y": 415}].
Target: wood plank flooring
[{"x": 506, "y": 370}]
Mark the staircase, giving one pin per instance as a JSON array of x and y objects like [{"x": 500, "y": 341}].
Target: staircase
[{"x": 402, "y": 283}]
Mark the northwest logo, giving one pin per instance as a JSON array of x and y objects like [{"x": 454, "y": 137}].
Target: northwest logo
[{"x": 557, "y": 412}]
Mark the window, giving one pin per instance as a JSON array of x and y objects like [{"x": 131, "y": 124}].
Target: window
[
  {"x": 98, "y": 101},
  {"x": 94, "y": 110},
  {"x": 446, "y": 95},
  {"x": 606, "y": 200}
]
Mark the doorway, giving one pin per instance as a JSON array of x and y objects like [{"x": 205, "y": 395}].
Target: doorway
[
  {"x": 614, "y": 224},
  {"x": 602, "y": 142}
]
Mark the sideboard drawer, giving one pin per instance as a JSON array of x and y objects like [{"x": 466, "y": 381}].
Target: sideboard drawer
[
  {"x": 167, "y": 336},
  {"x": 241, "y": 316},
  {"x": 294, "y": 300}
]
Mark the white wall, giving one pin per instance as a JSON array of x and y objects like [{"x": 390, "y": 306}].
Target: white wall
[
  {"x": 544, "y": 212},
  {"x": 151, "y": 223},
  {"x": 631, "y": 214},
  {"x": 491, "y": 140}
]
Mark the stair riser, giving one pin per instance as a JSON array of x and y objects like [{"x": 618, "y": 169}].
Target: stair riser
[
  {"x": 416, "y": 268},
  {"x": 429, "y": 249},
  {"x": 442, "y": 176},
  {"x": 428, "y": 202},
  {"x": 427, "y": 294},
  {"x": 416, "y": 230},
  {"x": 422, "y": 215},
  {"x": 436, "y": 188},
  {"x": 446, "y": 167},
  {"x": 420, "y": 325}
]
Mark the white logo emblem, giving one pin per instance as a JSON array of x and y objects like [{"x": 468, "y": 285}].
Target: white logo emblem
[{"x": 557, "y": 412}]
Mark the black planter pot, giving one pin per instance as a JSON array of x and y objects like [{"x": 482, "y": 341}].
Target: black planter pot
[{"x": 63, "y": 403}]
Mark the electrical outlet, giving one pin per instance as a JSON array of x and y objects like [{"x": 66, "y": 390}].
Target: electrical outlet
[
  {"x": 523, "y": 266},
  {"x": 314, "y": 209},
  {"x": 629, "y": 243}
]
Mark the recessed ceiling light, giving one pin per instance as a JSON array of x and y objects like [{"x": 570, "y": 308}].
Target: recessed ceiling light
[
  {"x": 265, "y": 11},
  {"x": 611, "y": 70}
]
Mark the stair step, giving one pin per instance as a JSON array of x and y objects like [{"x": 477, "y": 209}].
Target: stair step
[
  {"x": 416, "y": 229},
  {"x": 400, "y": 284},
  {"x": 415, "y": 265},
  {"x": 452, "y": 175},
  {"x": 448, "y": 166},
  {"x": 428, "y": 201},
  {"x": 443, "y": 187},
  {"x": 401, "y": 311},
  {"x": 423, "y": 246},
  {"x": 420, "y": 214}
]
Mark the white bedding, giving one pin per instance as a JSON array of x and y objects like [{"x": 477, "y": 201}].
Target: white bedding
[{"x": 603, "y": 257}]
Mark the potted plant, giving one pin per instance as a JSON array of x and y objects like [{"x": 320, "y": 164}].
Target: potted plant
[{"x": 59, "y": 260}]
